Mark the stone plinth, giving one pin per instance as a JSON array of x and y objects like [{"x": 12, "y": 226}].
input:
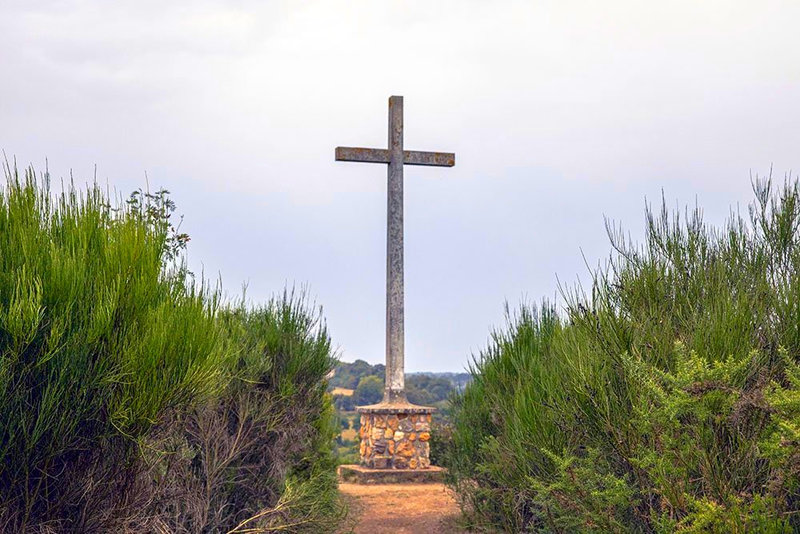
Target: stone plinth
[{"x": 395, "y": 436}]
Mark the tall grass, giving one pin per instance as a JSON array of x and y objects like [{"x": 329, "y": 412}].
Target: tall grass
[
  {"x": 118, "y": 372},
  {"x": 665, "y": 400}
]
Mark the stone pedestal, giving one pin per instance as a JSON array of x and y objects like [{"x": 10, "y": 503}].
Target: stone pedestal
[{"x": 395, "y": 436}]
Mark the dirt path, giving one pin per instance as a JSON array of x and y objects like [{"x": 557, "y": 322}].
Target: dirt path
[{"x": 401, "y": 509}]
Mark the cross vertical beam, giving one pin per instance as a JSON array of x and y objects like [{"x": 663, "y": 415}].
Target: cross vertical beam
[
  {"x": 395, "y": 297},
  {"x": 395, "y": 157}
]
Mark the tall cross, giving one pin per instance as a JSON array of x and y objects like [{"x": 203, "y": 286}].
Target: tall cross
[{"x": 395, "y": 157}]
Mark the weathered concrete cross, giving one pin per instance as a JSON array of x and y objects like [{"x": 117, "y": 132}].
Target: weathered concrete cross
[{"x": 396, "y": 157}]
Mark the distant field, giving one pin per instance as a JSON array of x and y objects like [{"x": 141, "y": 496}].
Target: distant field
[
  {"x": 343, "y": 391},
  {"x": 349, "y": 435}
]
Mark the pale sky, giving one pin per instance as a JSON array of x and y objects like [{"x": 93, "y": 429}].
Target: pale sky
[{"x": 560, "y": 113}]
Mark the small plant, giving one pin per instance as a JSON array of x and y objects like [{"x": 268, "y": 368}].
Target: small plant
[{"x": 155, "y": 210}]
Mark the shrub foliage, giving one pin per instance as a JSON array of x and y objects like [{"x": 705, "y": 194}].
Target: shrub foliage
[
  {"x": 666, "y": 400},
  {"x": 131, "y": 399}
]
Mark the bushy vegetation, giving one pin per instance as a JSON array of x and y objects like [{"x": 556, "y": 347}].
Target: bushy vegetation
[
  {"x": 666, "y": 400},
  {"x": 131, "y": 398}
]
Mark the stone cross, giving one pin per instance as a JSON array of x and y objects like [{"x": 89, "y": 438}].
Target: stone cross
[{"x": 395, "y": 157}]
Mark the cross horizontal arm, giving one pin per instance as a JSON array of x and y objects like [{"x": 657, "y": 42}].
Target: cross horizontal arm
[
  {"x": 431, "y": 159},
  {"x": 366, "y": 155},
  {"x": 381, "y": 155}
]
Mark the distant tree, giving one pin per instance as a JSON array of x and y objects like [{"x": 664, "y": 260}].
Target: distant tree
[
  {"x": 344, "y": 403},
  {"x": 347, "y": 375},
  {"x": 440, "y": 388},
  {"x": 418, "y": 396},
  {"x": 427, "y": 389},
  {"x": 369, "y": 390},
  {"x": 356, "y": 371}
]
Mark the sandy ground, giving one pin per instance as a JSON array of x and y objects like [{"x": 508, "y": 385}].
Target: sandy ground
[{"x": 400, "y": 509}]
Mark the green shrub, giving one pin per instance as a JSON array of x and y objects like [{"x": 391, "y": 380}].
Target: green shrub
[
  {"x": 259, "y": 458},
  {"x": 666, "y": 400},
  {"x": 131, "y": 399},
  {"x": 97, "y": 339}
]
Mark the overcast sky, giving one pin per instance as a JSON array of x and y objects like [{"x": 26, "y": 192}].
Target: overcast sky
[{"x": 560, "y": 114}]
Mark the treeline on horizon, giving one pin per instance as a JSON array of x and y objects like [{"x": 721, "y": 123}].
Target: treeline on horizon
[
  {"x": 664, "y": 399},
  {"x": 133, "y": 397},
  {"x": 367, "y": 383}
]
